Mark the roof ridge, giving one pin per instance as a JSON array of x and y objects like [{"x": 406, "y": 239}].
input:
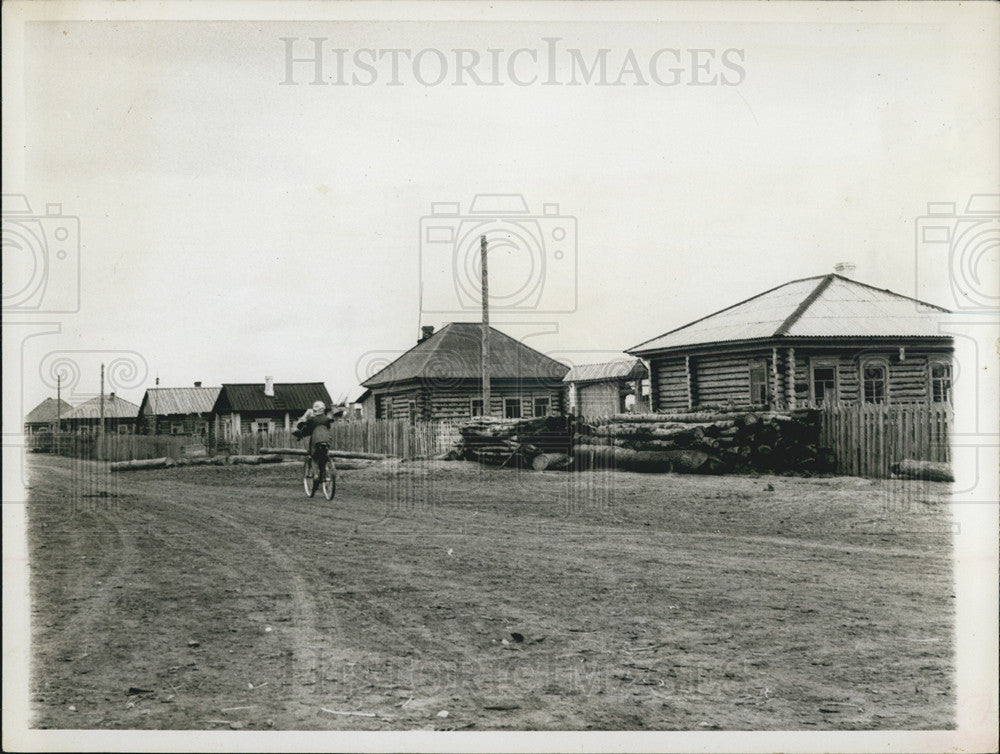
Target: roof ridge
[
  {"x": 720, "y": 311},
  {"x": 460, "y": 339},
  {"x": 892, "y": 293},
  {"x": 250, "y": 384},
  {"x": 525, "y": 345},
  {"x": 431, "y": 349},
  {"x": 808, "y": 301},
  {"x": 408, "y": 350}
]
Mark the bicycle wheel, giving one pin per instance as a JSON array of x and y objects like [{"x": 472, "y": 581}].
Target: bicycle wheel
[
  {"x": 309, "y": 478},
  {"x": 329, "y": 480}
]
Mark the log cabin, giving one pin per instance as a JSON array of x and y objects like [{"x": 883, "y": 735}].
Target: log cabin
[
  {"x": 440, "y": 378},
  {"x": 611, "y": 387},
  {"x": 818, "y": 340},
  {"x": 44, "y": 417},
  {"x": 119, "y": 416},
  {"x": 262, "y": 407},
  {"x": 177, "y": 410}
]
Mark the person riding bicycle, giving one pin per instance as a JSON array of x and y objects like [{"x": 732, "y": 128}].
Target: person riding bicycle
[{"x": 315, "y": 424}]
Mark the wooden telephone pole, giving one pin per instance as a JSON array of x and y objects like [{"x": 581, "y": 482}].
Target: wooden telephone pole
[{"x": 486, "y": 328}]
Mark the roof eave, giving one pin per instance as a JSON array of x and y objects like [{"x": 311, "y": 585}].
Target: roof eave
[{"x": 787, "y": 340}]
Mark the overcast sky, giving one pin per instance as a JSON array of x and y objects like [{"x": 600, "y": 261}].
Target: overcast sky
[{"x": 232, "y": 227}]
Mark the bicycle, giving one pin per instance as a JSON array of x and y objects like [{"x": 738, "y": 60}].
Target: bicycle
[{"x": 327, "y": 476}]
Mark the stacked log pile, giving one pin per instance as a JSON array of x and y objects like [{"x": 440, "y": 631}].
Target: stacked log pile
[
  {"x": 542, "y": 443},
  {"x": 704, "y": 442}
]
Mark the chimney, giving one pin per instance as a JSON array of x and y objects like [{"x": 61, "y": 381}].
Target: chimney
[
  {"x": 845, "y": 268},
  {"x": 425, "y": 332},
  {"x": 111, "y": 396},
  {"x": 157, "y": 381},
  {"x": 197, "y": 383},
  {"x": 269, "y": 386}
]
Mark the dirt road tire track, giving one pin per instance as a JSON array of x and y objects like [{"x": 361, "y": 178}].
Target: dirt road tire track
[{"x": 697, "y": 599}]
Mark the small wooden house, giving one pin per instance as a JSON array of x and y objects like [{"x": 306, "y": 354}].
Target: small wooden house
[
  {"x": 45, "y": 416},
  {"x": 177, "y": 410},
  {"x": 808, "y": 342},
  {"x": 612, "y": 387},
  {"x": 440, "y": 378},
  {"x": 262, "y": 406},
  {"x": 119, "y": 416}
]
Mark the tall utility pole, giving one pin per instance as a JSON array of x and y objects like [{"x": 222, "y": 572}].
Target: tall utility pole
[
  {"x": 101, "y": 428},
  {"x": 486, "y": 328},
  {"x": 58, "y": 401}
]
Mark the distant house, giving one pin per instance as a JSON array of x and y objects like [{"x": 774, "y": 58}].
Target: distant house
[
  {"x": 177, "y": 410},
  {"x": 440, "y": 378},
  {"x": 119, "y": 416},
  {"x": 44, "y": 416},
  {"x": 825, "y": 339},
  {"x": 262, "y": 406},
  {"x": 612, "y": 387}
]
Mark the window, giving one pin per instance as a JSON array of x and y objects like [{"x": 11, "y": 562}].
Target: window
[
  {"x": 758, "y": 382},
  {"x": 476, "y": 407},
  {"x": 201, "y": 427},
  {"x": 541, "y": 407},
  {"x": 823, "y": 382},
  {"x": 512, "y": 408},
  {"x": 874, "y": 379},
  {"x": 123, "y": 429},
  {"x": 177, "y": 428},
  {"x": 412, "y": 409},
  {"x": 263, "y": 426},
  {"x": 940, "y": 382}
]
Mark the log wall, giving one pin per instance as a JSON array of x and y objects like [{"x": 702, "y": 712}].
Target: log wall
[
  {"x": 668, "y": 385},
  {"x": 909, "y": 379},
  {"x": 724, "y": 378},
  {"x": 191, "y": 424},
  {"x": 446, "y": 402}
]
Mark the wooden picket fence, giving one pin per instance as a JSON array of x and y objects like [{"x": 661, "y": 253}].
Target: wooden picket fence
[
  {"x": 109, "y": 447},
  {"x": 868, "y": 438},
  {"x": 394, "y": 437}
]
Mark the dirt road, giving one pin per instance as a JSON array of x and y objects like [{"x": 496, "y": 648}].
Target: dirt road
[{"x": 221, "y": 597}]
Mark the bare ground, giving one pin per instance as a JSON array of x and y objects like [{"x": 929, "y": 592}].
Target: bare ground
[{"x": 221, "y": 597}]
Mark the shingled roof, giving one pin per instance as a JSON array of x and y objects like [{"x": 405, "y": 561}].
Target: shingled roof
[
  {"x": 455, "y": 352},
  {"x": 167, "y": 401},
  {"x": 827, "y": 306},
  {"x": 288, "y": 396},
  {"x": 47, "y": 411},
  {"x": 115, "y": 407},
  {"x": 619, "y": 369}
]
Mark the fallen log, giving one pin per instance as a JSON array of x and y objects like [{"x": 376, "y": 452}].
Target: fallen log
[
  {"x": 931, "y": 471},
  {"x": 359, "y": 454},
  {"x": 682, "y": 417},
  {"x": 145, "y": 463},
  {"x": 248, "y": 460},
  {"x": 333, "y": 453},
  {"x": 656, "y": 461},
  {"x": 284, "y": 451},
  {"x": 551, "y": 461}
]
